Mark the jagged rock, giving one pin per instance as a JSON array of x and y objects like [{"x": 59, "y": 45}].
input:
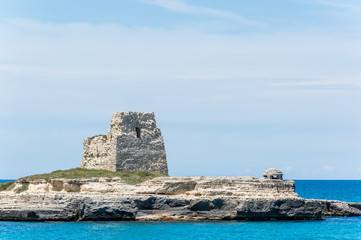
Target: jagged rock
[
  {"x": 166, "y": 198},
  {"x": 333, "y": 208},
  {"x": 196, "y": 186},
  {"x": 265, "y": 209},
  {"x": 107, "y": 210},
  {"x": 81, "y": 207}
]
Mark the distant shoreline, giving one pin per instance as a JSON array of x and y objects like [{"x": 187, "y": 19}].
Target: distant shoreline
[{"x": 7, "y": 180}]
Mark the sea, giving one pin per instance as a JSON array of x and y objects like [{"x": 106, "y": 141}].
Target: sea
[{"x": 330, "y": 228}]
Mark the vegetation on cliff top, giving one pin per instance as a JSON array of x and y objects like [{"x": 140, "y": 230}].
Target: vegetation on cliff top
[
  {"x": 130, "y": 177},
  {"x": 23, "y": 188},
  {"x": 7, "y": 186},
  {"x": 99, "y": 135}
]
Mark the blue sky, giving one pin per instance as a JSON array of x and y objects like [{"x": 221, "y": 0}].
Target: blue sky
[{"x": 236, "y": 86}]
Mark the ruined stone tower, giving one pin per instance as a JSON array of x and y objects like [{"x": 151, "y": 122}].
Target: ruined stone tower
[{"x": 133, "y": 142}]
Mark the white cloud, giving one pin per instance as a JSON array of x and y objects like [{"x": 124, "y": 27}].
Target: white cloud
[
  {"x": 287, "y": 168},
  {"x": 69, "y": 76},
  {"x": 182, "y": 7},
  {"x": 347, "y": 4},
  {"x": 10, "y": 68},
  {"x": 320, "y": 84},
  {"x": 328, "y": 167},
  {"x": 84, "y": 50}
]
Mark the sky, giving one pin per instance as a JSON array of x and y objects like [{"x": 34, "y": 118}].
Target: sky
[{"x": 236, "y": 86}]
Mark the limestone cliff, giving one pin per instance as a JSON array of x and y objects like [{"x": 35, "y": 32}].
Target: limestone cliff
[
  {"x": 163, "y": 198},
  {"x": 189, "y": 186}
]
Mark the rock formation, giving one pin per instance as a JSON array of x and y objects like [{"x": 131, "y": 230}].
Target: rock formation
[
  {"x": 133, "y": 142},
  {"x": 243, "y": 187},
  {"x": 163, "y": 198}
]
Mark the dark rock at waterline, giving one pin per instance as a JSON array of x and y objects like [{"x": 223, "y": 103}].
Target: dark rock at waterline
[
  {"x": 157, "y": 208},
  {"x": 332, "y": 208}
]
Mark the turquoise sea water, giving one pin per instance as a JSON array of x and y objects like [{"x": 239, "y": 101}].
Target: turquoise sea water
[
  {"x": 331, "y": 228},
  {"x": 5, "y": 181},
  {"x": 343, "y": 190}
]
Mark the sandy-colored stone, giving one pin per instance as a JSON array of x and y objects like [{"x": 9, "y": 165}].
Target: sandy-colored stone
[
  {"x": 133, "y": 142},
  {"x": 189, "y": 186},
  {"x": 165, "y": 199}
]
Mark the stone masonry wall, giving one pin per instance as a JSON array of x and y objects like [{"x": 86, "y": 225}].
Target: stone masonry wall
[
  {"x": 133, "y": 142},
  {"x": 96, "y": 154}
]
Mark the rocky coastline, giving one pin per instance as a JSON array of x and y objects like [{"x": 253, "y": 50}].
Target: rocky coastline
[
  {"x": 123, "y": 176},
  {"x": 165, "y": 199}
]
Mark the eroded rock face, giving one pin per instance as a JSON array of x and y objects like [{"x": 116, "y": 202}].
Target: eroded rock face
[
  {"x": 133, "y": 142},
  {"x": 165, "y": 198},
  {"x": 81, "y": 207},
  {"x": 280, "y": 209},
  {"x": 337, "y": 208},
  {"x": 189, "y": 186}
]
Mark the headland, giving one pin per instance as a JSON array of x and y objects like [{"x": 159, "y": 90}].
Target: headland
[{"x": 124, "y": 176}]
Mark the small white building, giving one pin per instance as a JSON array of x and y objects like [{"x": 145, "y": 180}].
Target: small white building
[{"x": 273, "y": 173}]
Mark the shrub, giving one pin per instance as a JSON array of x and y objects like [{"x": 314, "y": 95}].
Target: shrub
[
  {"x": 7, "y": 186},
  {"x": 130, "y": 177},
  {"x": 99, "y": 135},
  {"x": 23, "y": 188}
]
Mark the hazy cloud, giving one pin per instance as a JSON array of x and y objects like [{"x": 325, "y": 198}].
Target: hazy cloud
[
  {"x": 212, "y": 94},
  {"x": 347, "y": 4},
  {"x": 182, "y": 7},
  {"x": 328, "y": 167},
  {"x": 145, "y": 53}
]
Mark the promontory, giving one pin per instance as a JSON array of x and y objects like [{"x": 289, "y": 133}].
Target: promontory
[{"x": 124, "y": 176}]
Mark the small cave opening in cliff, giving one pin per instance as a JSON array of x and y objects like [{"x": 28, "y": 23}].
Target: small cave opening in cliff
[{"x": 137, "y": 130}]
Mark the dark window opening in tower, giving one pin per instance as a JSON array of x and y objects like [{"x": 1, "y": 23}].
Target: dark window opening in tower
[{"x": 137, "y": 129}]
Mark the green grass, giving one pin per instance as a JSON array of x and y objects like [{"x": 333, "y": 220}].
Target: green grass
[
  {"x": 99, "y": 135},
  {"x": 7, "y": 186},
  {"x": 23, "y": 188},
  {"x": 130, "y": 177}
]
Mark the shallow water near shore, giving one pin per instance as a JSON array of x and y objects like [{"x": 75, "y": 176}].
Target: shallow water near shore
[{"x": 331, "y": 228}]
